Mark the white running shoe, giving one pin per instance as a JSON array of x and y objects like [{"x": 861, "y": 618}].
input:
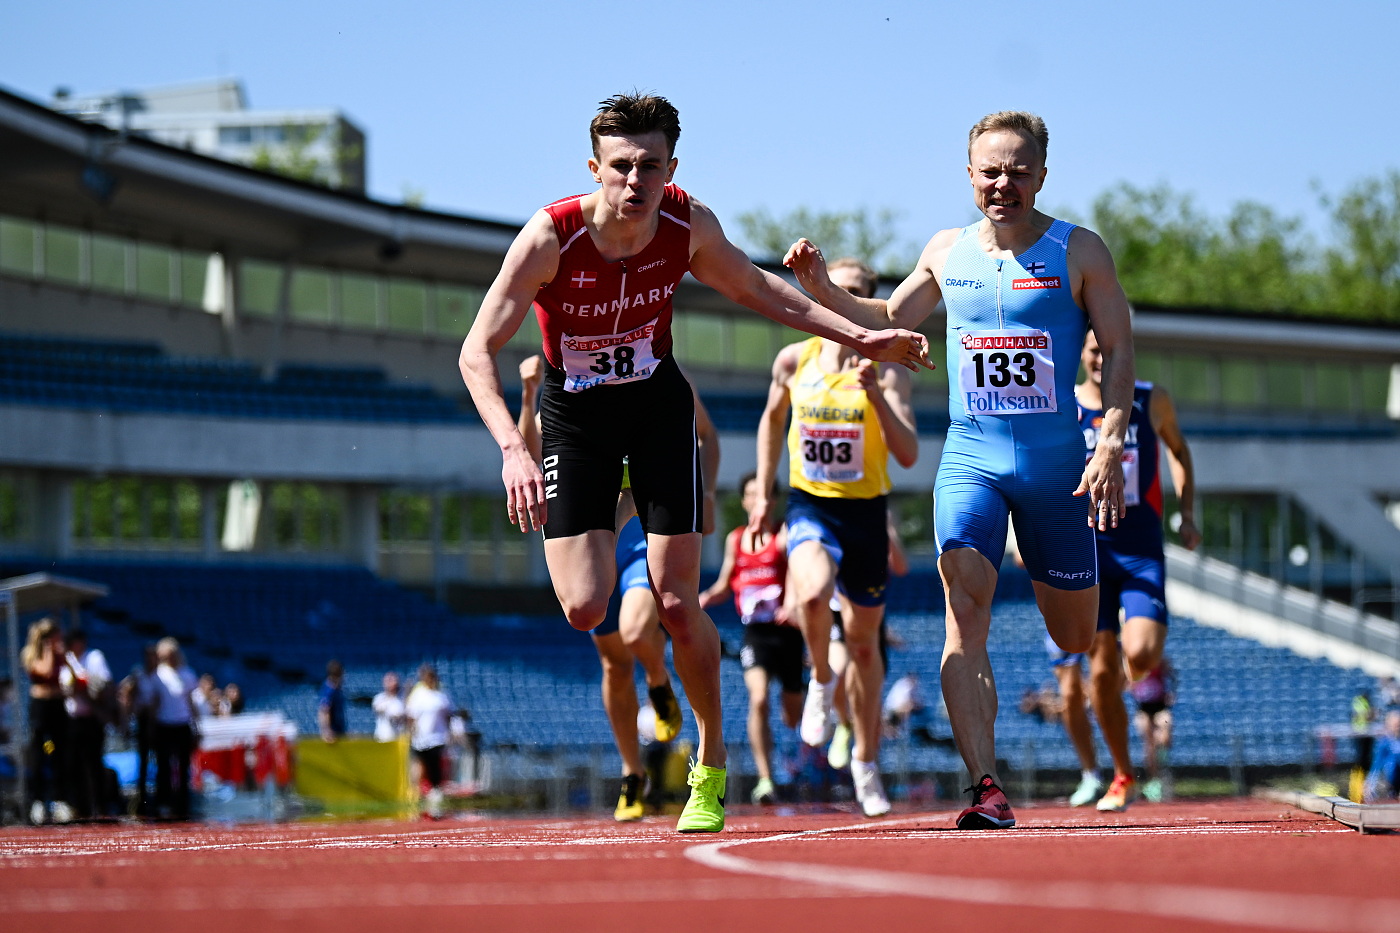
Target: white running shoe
[
  {"x": 38, "y": 813},
  {"x": 870, "y": 790},
  {"x": 1089, "y": 789},
  {"x": 816, "y": 712}
]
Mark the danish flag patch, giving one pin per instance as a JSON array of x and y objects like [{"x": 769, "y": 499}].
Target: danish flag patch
[{"x": 584, "y": 280}]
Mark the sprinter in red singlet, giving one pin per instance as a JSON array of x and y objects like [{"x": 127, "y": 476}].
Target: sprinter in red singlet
[
  {"x": 599, "y": 271},
  {"x": 755, "y": 570}
]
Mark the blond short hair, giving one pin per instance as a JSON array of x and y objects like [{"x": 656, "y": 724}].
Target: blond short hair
[
  {"x": 1017, "y": 121},
  {"x": 869, "y": 278}
]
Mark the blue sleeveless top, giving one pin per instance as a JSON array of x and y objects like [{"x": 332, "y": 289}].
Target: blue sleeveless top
[
  {"x": 1139, "y": 532},
  {"x": 998, "y": 385}
]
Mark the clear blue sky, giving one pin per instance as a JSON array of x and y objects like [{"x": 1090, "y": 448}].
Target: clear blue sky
[{"x": 484, "y": 107}]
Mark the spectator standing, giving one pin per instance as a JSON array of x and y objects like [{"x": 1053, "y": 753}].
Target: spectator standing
[
  {"x": 142, "y": 699},
  {"x": 429, "y": 711},
  {"x": 233, "y": 700},
  {"x": 43, "y": 658},
  {"x": 208, "y": 698},
  {"x": 173, "y": 729},
  {"x": 390, "y": 717},
  {"x": 85, "y": 678},
  {"x": 330, "y": 704}
]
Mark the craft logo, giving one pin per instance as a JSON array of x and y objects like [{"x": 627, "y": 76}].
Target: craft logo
[
  {"x": 652, "y": 265},
  {"x": 964, "y": 283},
  {"x": 1052, "y": 281},
  {"x": 584, "y": 280}
]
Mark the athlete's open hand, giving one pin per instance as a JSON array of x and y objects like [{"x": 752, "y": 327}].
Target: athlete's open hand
[
  {"x": 758, "y": 517},
  {"x": 808, "y": 264},
  {"x": 905, "y": 347},
  {"x": 1103, "y": 481},
  {"x": 524, "y": 484}
]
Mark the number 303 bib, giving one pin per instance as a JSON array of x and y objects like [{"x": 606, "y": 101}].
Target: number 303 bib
[
  {"x": 1006, "y": 372},
  {"x": 596, "y": 361}
]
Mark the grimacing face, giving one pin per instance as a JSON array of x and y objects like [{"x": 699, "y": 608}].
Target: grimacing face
[
  {"x": 633, "y": 172},
  {"x": 1007, "y": 171}
]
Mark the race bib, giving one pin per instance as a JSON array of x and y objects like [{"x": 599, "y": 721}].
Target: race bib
[
  {"x": 1132, "y": 483},
  {"x": 1132, "y": 495},
  {"x": 1006, "y": 372},
  {"x": 594, "y": 361},
  {"x": 760, "y": 603},
  {"x": 832, "y": 453}
]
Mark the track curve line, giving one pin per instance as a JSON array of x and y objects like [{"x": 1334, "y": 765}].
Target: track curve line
[{"x": 1313, "y": 913}]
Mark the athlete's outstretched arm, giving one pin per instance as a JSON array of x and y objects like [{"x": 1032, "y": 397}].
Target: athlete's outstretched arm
[
  {"x": 770, "y": 435},
  {"x": 890, "y": 393},
  {"x": 911, "y": 303},
  {"x": 724, "y": 267},
  {"x": 531, "y": 375},
  {"x": 531, "y": 261},
  {"x": 1179, "y": 460},
  {"x": 720, "y": 589},
  {"x": 1102, "y": 297}
]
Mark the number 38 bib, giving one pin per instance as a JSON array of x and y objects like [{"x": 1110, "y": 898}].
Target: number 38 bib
[
  {"x": 1006, "y": 372},
  {"x": 596, "y": 361}
]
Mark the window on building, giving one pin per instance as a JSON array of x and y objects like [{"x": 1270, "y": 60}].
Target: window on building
[
  {"x": 155, "y": 267},
  {"x": 109, "y": 264},
  {"x": 359, "y": 301},
  {"x": 311, "y": 296},
  {"x": 17, "y": 252},
  {"x": 408, "y": 306},
  {"x": 63, "y": 255},
  {"x": 258, "y": 286}
]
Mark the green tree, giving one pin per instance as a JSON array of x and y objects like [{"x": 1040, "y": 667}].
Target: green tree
[
  {"x": 1363, "y": 267},
  {"x": 869, "y": 236},
  {"x": 297, "y": 156}
]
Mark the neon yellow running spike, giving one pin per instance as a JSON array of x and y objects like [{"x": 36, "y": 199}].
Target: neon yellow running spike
[{"x": 704, "y": 811}]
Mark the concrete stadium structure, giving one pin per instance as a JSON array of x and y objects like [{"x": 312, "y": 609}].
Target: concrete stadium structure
[{"x": 106, "y": 237}]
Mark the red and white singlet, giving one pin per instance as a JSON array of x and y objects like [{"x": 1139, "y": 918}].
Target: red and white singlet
[
  {"x": 610, "y": 322},
  {"x": 758, "y": 579}
]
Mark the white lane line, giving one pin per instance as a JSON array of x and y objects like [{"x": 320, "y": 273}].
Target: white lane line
[{"x": 1316, "y": 913}]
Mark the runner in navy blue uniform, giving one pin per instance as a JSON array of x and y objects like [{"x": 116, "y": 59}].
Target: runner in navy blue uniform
[
  {"x": 1132, "y": 572},
  {"x": 1020, "y": 288}
]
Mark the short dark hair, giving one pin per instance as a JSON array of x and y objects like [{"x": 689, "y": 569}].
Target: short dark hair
[
  {"x": 636, "y": 114},
  {"x": 334, "y": 668},
  {"x": 752, "y": 476}
]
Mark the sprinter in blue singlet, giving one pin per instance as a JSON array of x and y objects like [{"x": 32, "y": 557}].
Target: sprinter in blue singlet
[{"x": 1020, "y": 288}]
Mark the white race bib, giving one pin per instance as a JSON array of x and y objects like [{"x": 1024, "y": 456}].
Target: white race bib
[
  {"x": 1132, "y": 492},
  {"x": 1132, "y": 482},
  {"x": 832, "y": 453},
  {"x": 1007, "y": 372},
  {"x": 596, "y": 361}
]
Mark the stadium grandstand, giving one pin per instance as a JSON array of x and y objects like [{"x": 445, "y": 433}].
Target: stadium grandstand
[{"x": 233, "y": 399}]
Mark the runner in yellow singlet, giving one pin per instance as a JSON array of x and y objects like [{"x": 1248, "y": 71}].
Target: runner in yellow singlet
[{"x": 848, "y": 417}]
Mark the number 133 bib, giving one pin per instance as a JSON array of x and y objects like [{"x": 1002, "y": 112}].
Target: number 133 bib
[{"x": 1006, "y": 372}]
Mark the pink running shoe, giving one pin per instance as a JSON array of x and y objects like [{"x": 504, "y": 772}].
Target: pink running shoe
[{"x": 989, "y": 808}]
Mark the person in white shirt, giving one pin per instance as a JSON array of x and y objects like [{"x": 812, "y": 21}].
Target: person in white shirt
[
  {"x": 84, "y": 681},
  {"x": 173, "y": 738},
  {"x": 390, "y": 719},
  {"x": 430, "y": 712}
]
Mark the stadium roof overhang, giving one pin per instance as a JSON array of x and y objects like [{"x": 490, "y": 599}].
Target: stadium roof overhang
[{"x": 62, "y": 170}]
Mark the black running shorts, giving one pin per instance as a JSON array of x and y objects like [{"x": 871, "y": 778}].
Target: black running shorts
[
  {"x": 778, "y": 650},
  {"x": 586, "y": 436}
]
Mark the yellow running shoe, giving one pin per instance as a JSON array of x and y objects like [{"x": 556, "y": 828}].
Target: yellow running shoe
[
  {"x": 668, "y": 712},
  {"x": 704, "y": 811},
  {"x": 629, "y": 802}
]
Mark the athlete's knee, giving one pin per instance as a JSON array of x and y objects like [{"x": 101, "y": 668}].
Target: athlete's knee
[
  {"x": 585, "y": 614},
  {"x": 676, "y": 611},
  {"x": 758, "y": 705}
]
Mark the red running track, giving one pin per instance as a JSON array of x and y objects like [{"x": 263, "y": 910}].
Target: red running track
[{"x": 1184, "y": 867}]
